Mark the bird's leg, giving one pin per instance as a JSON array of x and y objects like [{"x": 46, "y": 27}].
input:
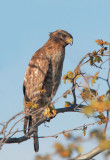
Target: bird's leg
[
  {"x": 30, "y": 123},
  {"x": 50, "y": 111}
]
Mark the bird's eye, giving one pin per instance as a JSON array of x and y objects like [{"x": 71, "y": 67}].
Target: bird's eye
[{"x": 63, "y": 35}]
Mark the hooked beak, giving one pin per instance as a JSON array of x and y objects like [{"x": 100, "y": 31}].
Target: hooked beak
[{"x": 70, "y": 41}]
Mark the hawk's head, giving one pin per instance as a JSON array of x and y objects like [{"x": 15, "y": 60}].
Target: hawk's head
[{"x": 62, "y": 37}]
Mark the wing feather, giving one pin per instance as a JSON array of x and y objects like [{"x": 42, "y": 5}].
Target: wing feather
[{"x": 35, "y": 76}]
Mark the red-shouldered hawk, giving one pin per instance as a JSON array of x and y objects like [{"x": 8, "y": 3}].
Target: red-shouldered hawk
[{"x": 44, "y": 73}]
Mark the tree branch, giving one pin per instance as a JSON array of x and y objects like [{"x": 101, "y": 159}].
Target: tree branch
[
  {"x": 92, "y": 153},
  {"x": 42, "y": 120}
]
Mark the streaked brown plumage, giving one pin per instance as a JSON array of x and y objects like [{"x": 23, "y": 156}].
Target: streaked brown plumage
[{"x": 44, "y": 71}]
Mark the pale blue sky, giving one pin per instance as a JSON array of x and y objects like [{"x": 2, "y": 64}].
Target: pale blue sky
[{"x": 24, "y": 28}]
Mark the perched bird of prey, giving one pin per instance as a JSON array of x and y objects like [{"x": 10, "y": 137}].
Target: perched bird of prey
[{"x": 42, "y": 77}]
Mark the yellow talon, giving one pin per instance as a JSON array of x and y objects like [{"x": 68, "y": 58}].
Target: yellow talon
[
  {"x": 49, "y": 112},
  {"x": 54, "y": 112}
]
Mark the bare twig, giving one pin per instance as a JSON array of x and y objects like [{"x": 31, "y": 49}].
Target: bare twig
[
  {"x": 24, "y": 138},
  {"x": 6, "y": 124},
  {"x": 42, "y": 120},
  {"x": 106, "y": 122},
  {"x": 74, "y": 129},
  {"x": 73, "y": 90}
]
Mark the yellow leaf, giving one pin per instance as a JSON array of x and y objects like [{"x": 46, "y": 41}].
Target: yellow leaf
[
  {"x": 100, "y": 106},
  {"x": 101, "y": 97},
  {"x": 67, "y": 104},
  {"x": 67, "y": 135},
  {"x": 99, "y": 41},
  {"x": 79, "y": 149},
  {"x": 64, "y": 95},
  {"x": 94, "y": 78},
  {"x": 35, "y": 106},
  {"x": 58, "y": 146},
  {"x": 65, "y": 153},
  {"x": 106, "y": 43},
  {"x": 84, "y": 130},
  {"x": 93, "y": 133},
  {"x": 88, "y": 94},
  {"x": 88, "y": 110},
  {"x": 71, "y": 146},
  {"x": 28, "y": 104},
  {"x": 105, "y": 144},
  {"x": 98, "y": 59},
  {"x": 102, "y": 51},
  {"x": 96, "y": 74},
  {"x": 70, "y": 73},
  {"x": 78, "y": 76},
  {"x": 69, "y": 80},
  {"x": 101, "y": 116},
  {"x": 100, "y": 122},
  {"x": 94, "y": 53},
  {"x": 64, "y": 78}
]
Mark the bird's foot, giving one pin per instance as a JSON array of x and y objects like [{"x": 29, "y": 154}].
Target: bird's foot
[{"x": 50, "y": 111}]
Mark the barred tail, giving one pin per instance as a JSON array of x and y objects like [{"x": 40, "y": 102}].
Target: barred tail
[
  {"x": 27, "y": 121},
  {"x": 36, "y": 141}
]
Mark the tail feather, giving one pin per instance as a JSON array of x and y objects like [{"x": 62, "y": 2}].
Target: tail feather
[
  {"x": 36, "y": 141},
  {"x": 25, "y": 124},
  {"x": 28, "y": 121}
]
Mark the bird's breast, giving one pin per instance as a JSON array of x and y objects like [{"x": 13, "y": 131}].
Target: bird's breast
[{"x": 57, "y": 65}]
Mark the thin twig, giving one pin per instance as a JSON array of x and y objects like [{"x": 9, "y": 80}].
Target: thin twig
[
  {"x": 6, "y": 124},
  {"x": 21, "y": 139},
  {"x": 106, "y": 122},
  {"x": 73, "y": 90}
]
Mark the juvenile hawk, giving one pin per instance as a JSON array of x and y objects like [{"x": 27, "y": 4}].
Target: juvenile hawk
[{"x": 44, "y": 73}]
